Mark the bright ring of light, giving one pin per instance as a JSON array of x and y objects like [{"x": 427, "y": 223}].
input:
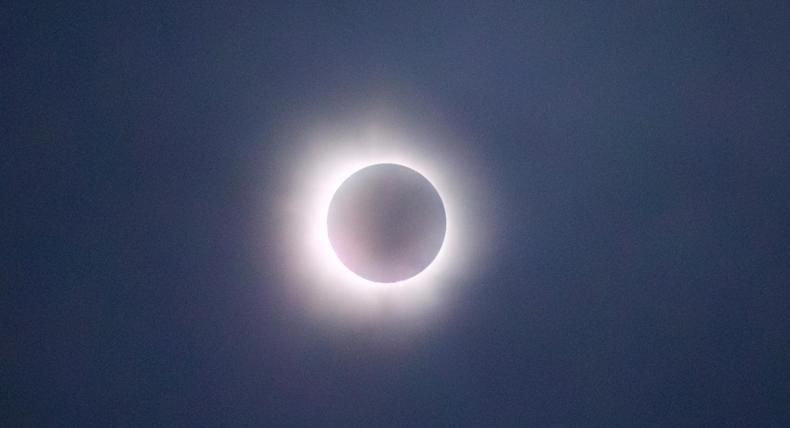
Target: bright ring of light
[{"x": 324, "y": 163}]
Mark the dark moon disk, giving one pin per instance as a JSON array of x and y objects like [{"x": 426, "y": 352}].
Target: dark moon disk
[{"x": 386, "y": 223}]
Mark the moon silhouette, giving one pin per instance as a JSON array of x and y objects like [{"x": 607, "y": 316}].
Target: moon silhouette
[{"x": 386, "y": 223}]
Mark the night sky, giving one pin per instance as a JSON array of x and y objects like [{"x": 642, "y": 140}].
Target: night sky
[{"x": 636, "y": 155}]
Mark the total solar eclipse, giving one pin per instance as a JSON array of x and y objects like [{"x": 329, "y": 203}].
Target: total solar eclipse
[{"x": 386, "y": 223}]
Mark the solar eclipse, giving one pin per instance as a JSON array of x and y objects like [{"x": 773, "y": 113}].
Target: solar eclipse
[
  {"x": 386, "y": 223},
  {"x": 379, "y": 218}
]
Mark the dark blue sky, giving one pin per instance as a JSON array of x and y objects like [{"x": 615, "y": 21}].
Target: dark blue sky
[{"x": 640, "y": 151}]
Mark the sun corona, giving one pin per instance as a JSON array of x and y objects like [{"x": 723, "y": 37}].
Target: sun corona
[{"x": 326, "y": 276}]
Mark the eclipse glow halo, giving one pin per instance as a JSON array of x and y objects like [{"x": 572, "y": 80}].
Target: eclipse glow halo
[{"x": 325, "y": 160}]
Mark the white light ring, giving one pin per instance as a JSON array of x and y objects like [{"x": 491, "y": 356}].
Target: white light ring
[{"x": 325, "y": 161}]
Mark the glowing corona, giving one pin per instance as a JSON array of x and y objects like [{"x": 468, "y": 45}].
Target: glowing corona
[{"x": 326, "y": 160}]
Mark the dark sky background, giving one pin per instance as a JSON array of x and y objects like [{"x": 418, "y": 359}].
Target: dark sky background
[{"x": 640, "y": 151}]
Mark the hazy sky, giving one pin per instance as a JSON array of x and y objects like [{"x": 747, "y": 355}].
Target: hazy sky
[{"x": 636, "y": 155}]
